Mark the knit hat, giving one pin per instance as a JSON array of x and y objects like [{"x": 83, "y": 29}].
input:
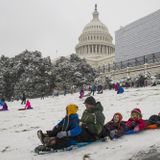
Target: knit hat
[
  {"x": 137, "y": 110},
  {"x": 71, "y": 109},
  {"x": 120, "y": 116},
  {"x": 90, "y": 100}
]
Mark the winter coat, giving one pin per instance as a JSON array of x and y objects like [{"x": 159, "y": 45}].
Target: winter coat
[
  {"x": 71, "y": 124},
  {"x": 154, "y": 119},
  {"x": 1, "y": 102},
  {"x": 28, "y": 105},
  {"x": 116, "y": 86},
  {"x": 5, "y": 107},
  {"x": 93, "y": 119},
  {"x": 131, "y": 124},
  {"x": 110, "y": 126},
  {"x": 68, "y": 124},
  {"x": 23, "y": 97},
  {"x": 93, "y": 87},
  {"x": 120, "y": 90}
]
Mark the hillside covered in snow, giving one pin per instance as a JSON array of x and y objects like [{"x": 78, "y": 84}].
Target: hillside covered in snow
[{"x": 18, "y": 128}]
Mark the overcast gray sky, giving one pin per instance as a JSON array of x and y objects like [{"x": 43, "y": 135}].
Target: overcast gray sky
[{"x": 53, "y": 26}]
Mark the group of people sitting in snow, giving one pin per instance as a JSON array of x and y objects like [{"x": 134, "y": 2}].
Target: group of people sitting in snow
[
  {"x": 72, "y": 130},
  {"x": 91, "y": 90}
]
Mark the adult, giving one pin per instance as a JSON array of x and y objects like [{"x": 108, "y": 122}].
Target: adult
[{"x": 92, "y": 121}]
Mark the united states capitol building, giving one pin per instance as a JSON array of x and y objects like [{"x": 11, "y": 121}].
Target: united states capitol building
[
  {"x": 136, "y": 50},
  {"x": 95, "y": 43}
]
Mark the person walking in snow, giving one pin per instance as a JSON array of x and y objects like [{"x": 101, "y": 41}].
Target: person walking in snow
[
  {"x": 114, "y": 128},
  {"x": 135, "y": 123},
  {"x": 92, "y": 121},
  {"x": 23, "y": 99},
  {"x": 81, "y": 92},
  {"x": 93, "y": 89},
  {"x": 62, "y": 135}
]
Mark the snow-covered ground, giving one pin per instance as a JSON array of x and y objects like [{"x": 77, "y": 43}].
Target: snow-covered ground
[{"x": 18, "y": 128}]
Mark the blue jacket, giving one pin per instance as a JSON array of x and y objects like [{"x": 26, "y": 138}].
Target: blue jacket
[
  {"x": 71, "y": 124},
  {"x": 120, "y": 90},
  {"x": 1, "y": 102}
]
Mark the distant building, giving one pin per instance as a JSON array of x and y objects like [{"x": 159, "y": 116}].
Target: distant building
[
  {"x": 139, "y": 38},
  {"x": 95, "y": 43}
]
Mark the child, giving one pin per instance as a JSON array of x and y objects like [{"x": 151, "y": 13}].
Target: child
[
  {"x": 64, "y": 132},
  {"x": 153, "y": 122},
  {"x": 114, "y": 128},
  {"x": 120, "y": 90},
  {"x": 4, "y": 105},
  {"x": 135, "y": 123},
  {"x": 28, "y": 105},
  {"x": 81, "y": 92}
]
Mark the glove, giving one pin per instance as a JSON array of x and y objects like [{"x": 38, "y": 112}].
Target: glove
[
  {"x": 84, "y": 125},
  {"x": 133, "y": 124},
  {"x": 63, "y": 134},
  {"x": 136, "y": 129},
  {"x": 113, "y": 133}
]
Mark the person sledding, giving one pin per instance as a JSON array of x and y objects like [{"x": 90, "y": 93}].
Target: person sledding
[
  {"x": 92, "y": 121},
  {"x": 153, "y": 122},
  {"x": 99, "y": 89},
  {"x": 27, "y": 106},
  {"x": 135, "y": 123},
  {"x": 114, "y": 128},
  {"x": 120, "y": 90},
  {"x": 81, "y": 92},
  {"x": 62, "y": 135},
  {"x": 3, "y": 105}
]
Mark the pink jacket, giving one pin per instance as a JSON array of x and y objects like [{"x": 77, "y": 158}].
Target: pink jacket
[
  {"x": 28, "y": 105},
  {"x": 138, "y": 123},
  {"x": 116, "y": 86}
]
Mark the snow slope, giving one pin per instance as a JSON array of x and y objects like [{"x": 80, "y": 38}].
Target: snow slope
[{"x": 18, "y": 128}]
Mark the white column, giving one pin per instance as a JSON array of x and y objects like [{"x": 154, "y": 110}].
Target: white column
[
  {"x": 104, "y": 49},
  {"x": 95, "y": 48},
  {"x": 92, "y": 49},
  {"x": 98, "y": 49},
  {"x": 101, "y": 49}
]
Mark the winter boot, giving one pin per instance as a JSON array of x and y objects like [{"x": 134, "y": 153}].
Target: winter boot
[{"x": 41, "y": 136}]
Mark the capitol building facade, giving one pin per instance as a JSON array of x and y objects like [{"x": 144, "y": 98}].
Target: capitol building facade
[{"x": 95, "y": 43}]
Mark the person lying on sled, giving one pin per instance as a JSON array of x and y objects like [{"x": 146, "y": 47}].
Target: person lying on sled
[
  {"x": 153, "y": 122},
  {"x": 114, "y": 128},
  {"x": 62, "y": 135},
  {"x": 135, "y": 123},
  {"x": 27, "y": 106},
  {"x": 92, "y": 121}
]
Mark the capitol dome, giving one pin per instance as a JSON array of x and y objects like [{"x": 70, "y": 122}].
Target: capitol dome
[{"x": 95, "y": 42}]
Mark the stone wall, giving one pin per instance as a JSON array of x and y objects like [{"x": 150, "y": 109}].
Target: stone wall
[{"x": 153, "y": 69}]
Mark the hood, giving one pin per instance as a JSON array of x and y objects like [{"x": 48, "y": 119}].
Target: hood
[
  {"x": 98, "y": 107},
  {"x": 73, "y": 116}
]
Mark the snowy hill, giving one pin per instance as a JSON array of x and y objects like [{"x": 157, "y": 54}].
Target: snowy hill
[{"x": 18, "y": 128}]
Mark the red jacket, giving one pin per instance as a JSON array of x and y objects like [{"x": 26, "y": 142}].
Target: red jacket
[{"x": 131, "y": 123}]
